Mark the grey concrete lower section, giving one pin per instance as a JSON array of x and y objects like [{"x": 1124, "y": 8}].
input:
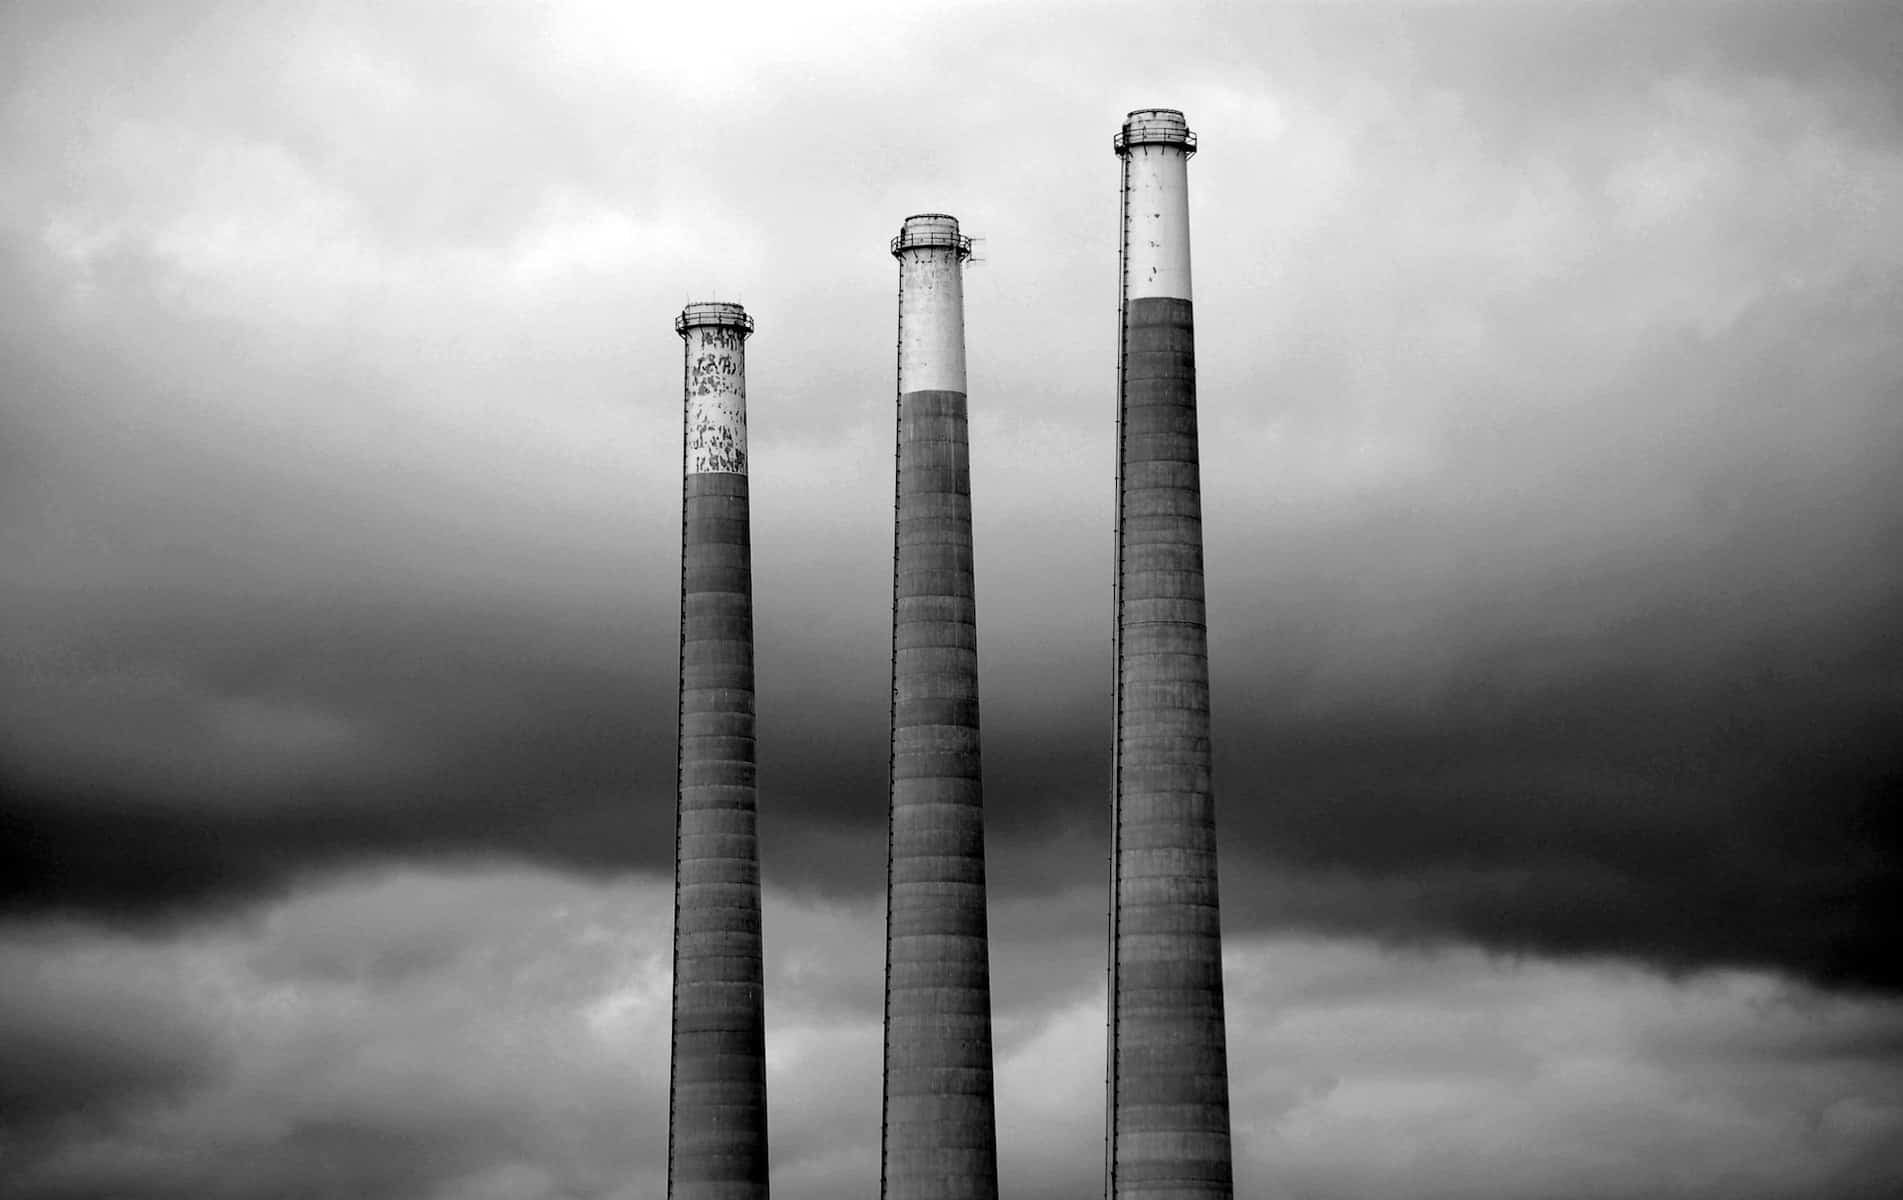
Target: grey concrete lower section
[
  {"x": 940, "y": 1134},
  {"x": 1169, "y": 1078},
  {"x": 717, "y": 1135}
]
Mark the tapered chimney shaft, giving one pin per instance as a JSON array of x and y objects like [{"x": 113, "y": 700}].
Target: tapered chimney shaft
[
  {"x": 717, "y": 1135},
  {"x": 1168, "y": 1105},
  {"x": 939, "y": 1139}
]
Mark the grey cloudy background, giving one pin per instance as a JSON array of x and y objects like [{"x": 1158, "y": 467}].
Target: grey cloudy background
[{"x": 1552, "y": 406}]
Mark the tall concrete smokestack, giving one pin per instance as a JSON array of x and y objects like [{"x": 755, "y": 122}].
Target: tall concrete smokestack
[
  {"x": 1168, "y": 1109},
  {"x": 716, "y": 1133},
  {"x": 940, "y": 1137}
]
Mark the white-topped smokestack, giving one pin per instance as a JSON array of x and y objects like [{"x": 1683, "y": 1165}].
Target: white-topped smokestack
[
  {"x": 717, "y": 1119},
  {"x": 1168, "y": 1105},
  {"x": 939, "y": 1135}
]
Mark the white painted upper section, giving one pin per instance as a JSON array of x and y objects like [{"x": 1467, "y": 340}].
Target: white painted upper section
[
  {"x": 931, "y": 306},
  {"x": 1156, "y": 222},
  {"x": 716, "y": 401}
]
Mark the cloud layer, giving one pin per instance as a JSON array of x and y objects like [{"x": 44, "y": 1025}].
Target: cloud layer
[
  {"x": 504, "y": 1032},
  {"x": 1549, "y": 411}
]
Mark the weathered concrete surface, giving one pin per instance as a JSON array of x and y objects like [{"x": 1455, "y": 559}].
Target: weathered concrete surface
[
  {"x": 940, "y": 1138},
  {"x": 1155, "y": 145},
  {"x": 717, "y": 1119},
  {"x": 1168, "y": 1087},
  {"x": 931, "y": 251}
]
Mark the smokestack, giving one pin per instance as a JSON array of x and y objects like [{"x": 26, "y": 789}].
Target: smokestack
[
  {"x": 939, "y": 1137},
  {"x": 716, "y": 1133},
  {"x": 1168, "y": 1110}
]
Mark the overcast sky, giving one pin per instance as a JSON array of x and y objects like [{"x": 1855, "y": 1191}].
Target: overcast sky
[{"x": 1552, "y": 411}]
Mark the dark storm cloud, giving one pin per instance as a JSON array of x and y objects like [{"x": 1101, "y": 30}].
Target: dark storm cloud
[
  {"x": 1644, "y": 705},
  {"x": 437, "y": 754},
  {"x": 1549, "y": 401},
  {"x": 232, "y": 659}
]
